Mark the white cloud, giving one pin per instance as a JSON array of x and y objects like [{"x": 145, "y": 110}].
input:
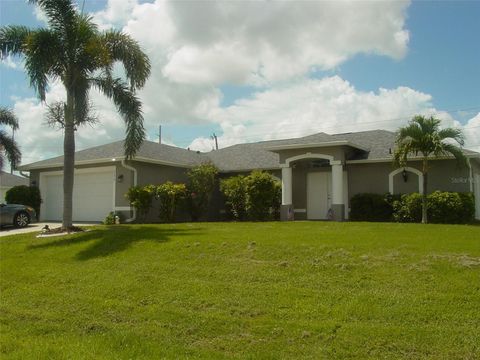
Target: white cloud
[
  {"x": 258, "y": 41},
  {"x": 472, "y": 133},
  {"x": 330, "y": 105},
  {"x": 117, "y": 12},
  {"x": 11, "y": 63},
  {"x": 40, "y": 14}
]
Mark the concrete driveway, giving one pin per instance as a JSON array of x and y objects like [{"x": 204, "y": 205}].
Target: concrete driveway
[{"x": 37, "y": 227}]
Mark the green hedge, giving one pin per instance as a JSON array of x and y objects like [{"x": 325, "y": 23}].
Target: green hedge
[
  {"x": 442, "y": 207},
  {"x": 370, "y": 207}
]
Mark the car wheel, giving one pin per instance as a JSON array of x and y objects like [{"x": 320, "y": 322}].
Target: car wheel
[{"x": 21, "y": 220}]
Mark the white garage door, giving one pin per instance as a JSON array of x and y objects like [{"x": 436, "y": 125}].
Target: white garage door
[{"x": 93, "y": 195}]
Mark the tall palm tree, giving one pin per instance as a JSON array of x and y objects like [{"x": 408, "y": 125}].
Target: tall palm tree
[
  {"x": 7, "y": 143},
  {"x": 72, "y": 49},
  {"x": 423, "y": 137}
]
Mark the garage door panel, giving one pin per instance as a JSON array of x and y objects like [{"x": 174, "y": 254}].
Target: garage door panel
[{"x": 93, "y": 195}]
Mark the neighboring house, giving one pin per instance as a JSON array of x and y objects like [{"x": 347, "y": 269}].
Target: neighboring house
[
  {"x": 7, "y": 181},
  {"x": 319, "y": 173}
]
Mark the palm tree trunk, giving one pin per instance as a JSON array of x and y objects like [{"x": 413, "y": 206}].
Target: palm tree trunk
[
  {"x": 68, "y": 162},
  {"x": 424, "y": 194}
]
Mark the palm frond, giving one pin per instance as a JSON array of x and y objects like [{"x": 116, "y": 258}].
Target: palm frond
[
  {"x": 13, "y": 39},
  {"x": 8, "y": 118},
  {"x": 452, "y": 133},
  {"x": 11, "y": 149},
  {"x": 82, "y": 106},
  {"x": 127, "y": 51},
  {"x": 61, "y": 16},
  {"x": 130, "y": 109},
  {"x": 44, "y": 56},
  {"x": 457, "y": 152}
]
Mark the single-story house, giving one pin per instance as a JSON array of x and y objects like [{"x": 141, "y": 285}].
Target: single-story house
[
  {"x": 319, "y": 173},
  {"x": 7, "y": 181}
]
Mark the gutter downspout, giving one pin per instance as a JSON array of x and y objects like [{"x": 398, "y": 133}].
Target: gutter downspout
[{"x": 131, "y": 168}]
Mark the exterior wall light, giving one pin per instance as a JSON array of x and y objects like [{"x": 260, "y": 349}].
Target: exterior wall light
[
  {"x": 405, "y": 175},
  {"x": 120, "y": 178}
]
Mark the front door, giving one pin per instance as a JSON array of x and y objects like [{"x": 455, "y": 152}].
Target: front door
[{"x": 318, "y": 195}]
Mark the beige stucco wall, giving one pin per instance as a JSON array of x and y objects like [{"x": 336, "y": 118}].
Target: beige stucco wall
[{"x": 444, "y": 175}]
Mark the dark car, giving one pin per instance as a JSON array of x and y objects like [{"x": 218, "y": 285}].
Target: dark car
[{"x": 16, "y": 215}]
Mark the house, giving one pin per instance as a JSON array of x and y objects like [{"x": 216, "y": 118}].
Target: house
[
  {"x": 7, "y": 181},
  {"x": 320, "y": 173}
]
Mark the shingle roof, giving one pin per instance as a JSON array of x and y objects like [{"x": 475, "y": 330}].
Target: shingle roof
[
  {"x": 240, "y": 157},
  {"x": 9, "y": 180},
  {"x": 149, "y": 150},
  {"x": 378, "y": 142}
]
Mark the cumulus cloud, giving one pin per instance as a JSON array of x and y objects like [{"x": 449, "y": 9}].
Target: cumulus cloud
[
  {"x": 472, "y": 133},
  {"x": 260, "y": 42},
  {"x": 11, "y": 63},
  {"x": 330, "y": 105},
  {"x": 116, "y": 13}
]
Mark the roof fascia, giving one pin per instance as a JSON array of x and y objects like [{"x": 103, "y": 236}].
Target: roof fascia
[{"x": 104, "y": 160}]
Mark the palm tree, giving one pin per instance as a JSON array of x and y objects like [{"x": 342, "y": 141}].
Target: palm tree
[
  {"x": 7, "y": 143},
  {"x": 72, "y": 49},
  {"x": 423, "y": 137}
]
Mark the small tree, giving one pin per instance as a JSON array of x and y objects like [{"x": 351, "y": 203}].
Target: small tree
[
  {"x": 200, "y": 186},
  {"x": 234, "y": 190},
  {"x": 423, "y": 136},
  {"x": 171, "y": 196},
  {"x": 140, "y": 198}
]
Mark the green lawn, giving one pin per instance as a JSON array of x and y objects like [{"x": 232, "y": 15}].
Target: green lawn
[{"x": 316, "y": 290}]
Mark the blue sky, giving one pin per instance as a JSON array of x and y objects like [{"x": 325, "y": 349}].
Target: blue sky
[{"x": 245, "y": 95}]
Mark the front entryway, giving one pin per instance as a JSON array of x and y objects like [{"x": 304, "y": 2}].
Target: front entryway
[{"x": 319, "y": 190}]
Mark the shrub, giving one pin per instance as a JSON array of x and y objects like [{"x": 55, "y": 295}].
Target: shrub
[
  {"x": 262, "y": 193},
  {"x": 25, "y": 195},
  {"x": 140, "y": 198},
  {"x": 408, "y": 208},
  {"x": 442, "y": 207},
  {"x": 371, "y": 207},
  {"x": 200, "y": 186},
  {"x": 450, "y": 207},
  {"x": 234, "y": 190},
  {"x": 467, "y": 212},
  {"x": 171, "y": 196},
  {"x": 110, "y": 219}
]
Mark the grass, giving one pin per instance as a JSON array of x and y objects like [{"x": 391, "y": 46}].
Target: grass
[{"x": 316, "y": 290}]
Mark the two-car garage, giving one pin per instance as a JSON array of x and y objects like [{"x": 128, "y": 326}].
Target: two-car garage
[{"x": 93, "y": 194}]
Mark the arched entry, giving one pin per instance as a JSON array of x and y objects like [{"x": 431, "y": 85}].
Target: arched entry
[
  {"x": 335, "y": 179},
  {"x": 407, "y": 169}
]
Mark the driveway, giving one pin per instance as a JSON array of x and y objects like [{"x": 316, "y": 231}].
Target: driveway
[{"x": 37, "y": 227}]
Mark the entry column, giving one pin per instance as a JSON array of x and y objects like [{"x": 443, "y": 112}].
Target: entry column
[
  {"x": 338, "y": 206},
  {"x": 286, "y": 211}
]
